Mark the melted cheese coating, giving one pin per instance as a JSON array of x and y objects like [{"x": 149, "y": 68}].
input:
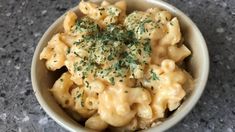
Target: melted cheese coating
[{"x": 124, "y": 71}]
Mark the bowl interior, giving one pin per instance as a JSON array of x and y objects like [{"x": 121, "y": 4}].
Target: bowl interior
[{"x": 42, "y": 79}]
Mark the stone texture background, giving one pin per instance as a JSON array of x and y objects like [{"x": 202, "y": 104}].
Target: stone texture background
[{"x": 23, "y": 22}]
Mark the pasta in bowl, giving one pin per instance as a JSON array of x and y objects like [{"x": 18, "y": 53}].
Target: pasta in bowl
[{"x": 120, "y": 71}]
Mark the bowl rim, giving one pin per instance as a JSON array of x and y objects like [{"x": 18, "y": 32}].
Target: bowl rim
[{"x": 166, "y": 124}]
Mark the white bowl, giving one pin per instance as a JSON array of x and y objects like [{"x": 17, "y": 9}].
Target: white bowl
[{"x": 198, "y": 64}]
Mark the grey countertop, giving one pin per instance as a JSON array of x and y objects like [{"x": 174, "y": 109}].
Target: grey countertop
[{"x": 23, "y": 22}]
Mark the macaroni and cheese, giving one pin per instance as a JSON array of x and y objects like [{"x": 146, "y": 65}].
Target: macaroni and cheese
[{"x": 123, "y": 71}]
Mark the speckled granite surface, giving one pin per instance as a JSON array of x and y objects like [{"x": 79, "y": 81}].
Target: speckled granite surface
[{"x": 22, "y": 23}]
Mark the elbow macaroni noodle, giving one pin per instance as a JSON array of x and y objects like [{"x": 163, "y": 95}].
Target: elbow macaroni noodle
[{"x": 124, "y": 71}]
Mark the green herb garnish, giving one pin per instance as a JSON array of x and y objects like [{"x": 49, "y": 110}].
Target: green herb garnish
[
  {"x": 68, "y": 51},
  {"x": 76, "y": 53},
  {"x": 112, "y": 80},
  {"x": 147, "y": 47},
  {"x": 79, "y": 68},
  {"x": 142, "y": 25},
  {"x": 77, "y": 42},
  {"x": 79, "y": 95},
  {"x": 154, "y": 75},
  {"x": 82, "y": 101}
]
